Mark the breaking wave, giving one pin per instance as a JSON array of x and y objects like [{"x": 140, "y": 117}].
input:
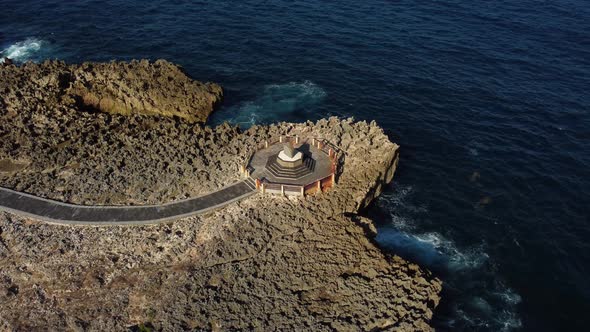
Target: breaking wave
[
  {"x": 479, "y": 299},
  {"x": 431, "y": 249},
  {"x": 28, "y": 49},
  {"x": 276, "y": 102}
]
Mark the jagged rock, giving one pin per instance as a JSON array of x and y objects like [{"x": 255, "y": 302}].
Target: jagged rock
[
  {"x": 136, "y": 87},
  {"x": 264, "y": 263}
]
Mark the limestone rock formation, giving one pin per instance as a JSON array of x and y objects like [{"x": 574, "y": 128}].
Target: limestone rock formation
[
  {"x": 136, "y": 87},
  {"x": 264, "y": 263}
]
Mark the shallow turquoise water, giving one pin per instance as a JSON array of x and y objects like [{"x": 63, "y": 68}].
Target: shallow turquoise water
[{"x": 487, "y": 99}]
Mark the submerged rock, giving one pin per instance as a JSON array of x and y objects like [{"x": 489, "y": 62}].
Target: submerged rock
[{"x": 267, "y": 262}]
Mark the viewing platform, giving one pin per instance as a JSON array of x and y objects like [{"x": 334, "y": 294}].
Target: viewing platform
[{"x": 293, "y": 166}]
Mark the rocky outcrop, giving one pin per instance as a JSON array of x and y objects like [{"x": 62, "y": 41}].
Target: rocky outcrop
[
  {"x": 140, "y": 87},
  {"x": 53, "y": 132},
  {"x": 136, "y": 87},
  {"x": 267, "y": 262}
]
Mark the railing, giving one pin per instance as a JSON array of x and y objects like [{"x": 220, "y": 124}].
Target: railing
[
  {"x": 320, "y": 185},
  {"x": 285, "y": 188}
]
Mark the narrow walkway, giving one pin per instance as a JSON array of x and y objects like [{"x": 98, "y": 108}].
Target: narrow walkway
[{"x": 71, "y": 214}]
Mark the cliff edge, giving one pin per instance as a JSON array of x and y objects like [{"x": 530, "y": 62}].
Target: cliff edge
[
  {"x": 267, "y": 262},
  {"x": 136, "y": 87}
]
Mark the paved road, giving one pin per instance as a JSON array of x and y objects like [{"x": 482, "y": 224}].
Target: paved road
[{"x": 63, "y": 213}]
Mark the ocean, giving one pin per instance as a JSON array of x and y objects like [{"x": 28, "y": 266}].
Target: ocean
[{"x": 488, "y": 100}]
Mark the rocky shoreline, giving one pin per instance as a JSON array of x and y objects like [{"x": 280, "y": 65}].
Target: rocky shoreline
[{"x": 267, "y": 262}]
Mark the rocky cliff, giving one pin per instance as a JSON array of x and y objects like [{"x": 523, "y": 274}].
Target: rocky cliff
[
  {"x": 136, "y": 87},
  {"x": 267, "y": 262}
]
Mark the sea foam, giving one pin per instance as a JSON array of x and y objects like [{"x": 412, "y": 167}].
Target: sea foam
[
  {"x": 480, "y": 299},
  {"x": 275, "y": 102},
  {"x": 23, "y": 50}
]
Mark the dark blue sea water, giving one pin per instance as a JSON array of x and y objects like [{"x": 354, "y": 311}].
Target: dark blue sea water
[{"x": 488, "y": 99}]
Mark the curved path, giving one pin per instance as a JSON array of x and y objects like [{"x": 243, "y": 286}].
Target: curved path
[{"x": 71, "y": 214}]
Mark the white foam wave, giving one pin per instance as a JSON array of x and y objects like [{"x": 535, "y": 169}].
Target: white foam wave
[
  {"x": 509, "y": 296},
  {"x": 494, "y": 310},
  {"x": 276, "y": 102},
  {"x": 402, "y": 223},
  {"x": 398, "y": 205},
  {"x": 398, "y": 197},
  {"x": 453, "y": 258},
  {"x": 23, "y": 50},
  {"x": 507, "y": 319},
  {"x": 426, "y": 247},
  {"x": 482, "y": 302},
  {"x": 484, "y": 306}
]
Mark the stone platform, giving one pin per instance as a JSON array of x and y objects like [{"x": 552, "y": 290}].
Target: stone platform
[
  {"x": 275, "y": 167},
  {"x": 316, "y": 165}
]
